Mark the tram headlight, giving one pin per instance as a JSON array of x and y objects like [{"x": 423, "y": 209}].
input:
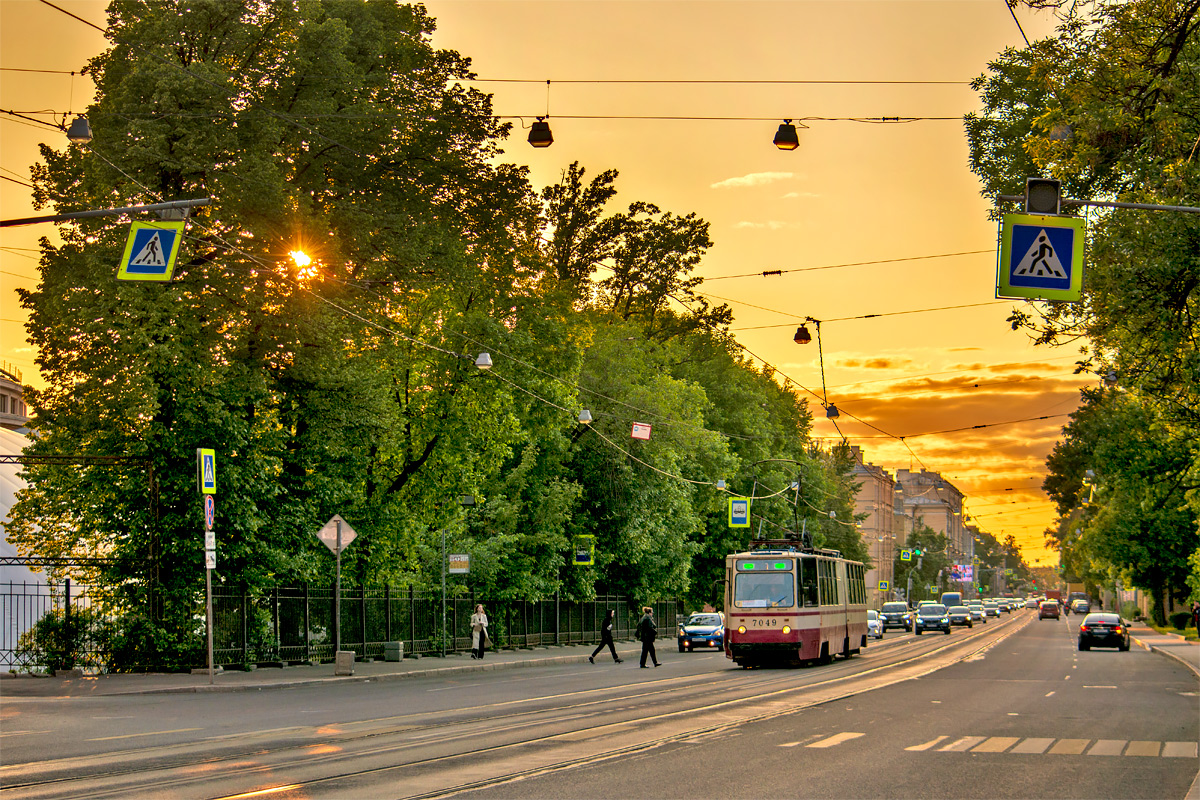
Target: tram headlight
[
  {"x": 741, "y": 628},
  {"x": 787, "y": 629}
]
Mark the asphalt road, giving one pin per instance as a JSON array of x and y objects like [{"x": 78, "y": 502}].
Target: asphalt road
[{"x": 930, "y": 716}]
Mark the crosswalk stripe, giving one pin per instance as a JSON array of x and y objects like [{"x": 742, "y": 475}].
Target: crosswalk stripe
[
  {"x": 1180, "y": 750},
  {"x": 996, "y": 744},
  {"x": 965, "y": 743},
  {"x": 1142, "y": 749},
  {"x": 1107, "y": 747},
  {"x": 836, "y": 739},
  {"x": 1033, "y": 746},
  {"x": 927, "y": 745},
  {"x": 1069, "y": 747}
]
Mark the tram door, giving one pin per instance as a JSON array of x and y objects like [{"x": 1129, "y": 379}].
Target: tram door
[{"x": 843, "y": 588}]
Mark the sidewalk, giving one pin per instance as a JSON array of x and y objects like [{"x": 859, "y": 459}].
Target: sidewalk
[
  {"x": 1171, "y": 645},
  {"x": 281, "y": 677}
]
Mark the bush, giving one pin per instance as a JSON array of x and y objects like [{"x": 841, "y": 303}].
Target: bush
[
  {"x": 1181, "y": 619},
  {"x": 62, "y": 641}
]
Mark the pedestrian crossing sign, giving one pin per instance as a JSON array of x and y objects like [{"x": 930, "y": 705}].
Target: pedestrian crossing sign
[
  {"x": 150, "y": 251},
  {"x": 884, "y": 586},
  {"x": 1041, "y": 258}
]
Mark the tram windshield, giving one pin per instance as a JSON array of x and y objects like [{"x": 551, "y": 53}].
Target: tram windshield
[{"x": 764, "y": 590}]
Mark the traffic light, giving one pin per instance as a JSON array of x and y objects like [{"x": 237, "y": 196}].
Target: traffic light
[
  {"x": 1043, "y": 196},
  {"x": 918, "y": 551}
]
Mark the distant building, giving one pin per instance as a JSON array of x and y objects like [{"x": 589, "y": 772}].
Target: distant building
[
  {"x": 13, "y": 414},
  {"x": 930, "y": 499},
  {"x": 875, "y": 496}
]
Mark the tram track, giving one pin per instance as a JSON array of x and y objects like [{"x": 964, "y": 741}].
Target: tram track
[{"x": 561, "y": 731}]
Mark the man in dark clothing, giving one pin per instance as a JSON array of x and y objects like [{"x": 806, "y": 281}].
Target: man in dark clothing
[{"x": 647, "y": 631}]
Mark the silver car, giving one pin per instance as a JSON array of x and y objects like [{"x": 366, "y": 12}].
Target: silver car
[{"x": 874, "y": 624}]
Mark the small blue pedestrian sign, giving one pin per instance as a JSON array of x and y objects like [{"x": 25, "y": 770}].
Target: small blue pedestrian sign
[
  {"x": 150, "y": 251},
  {"x": 739, "y": 512},
  {"x": 906, "y": 555},
  {"x": 1041, "y": 258},
  {"x": 884, "y": 586},
  {"x": 206, "y": 466}
]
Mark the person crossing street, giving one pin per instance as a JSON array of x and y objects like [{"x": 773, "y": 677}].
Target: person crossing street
[{"x": 647, "y": 632}]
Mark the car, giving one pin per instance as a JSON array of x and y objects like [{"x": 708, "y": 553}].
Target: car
[
  {"x": 991, "y": 608},
  {"x": 960, "y": 615},
  {"x": 896, "y": 615},
  {"x": 931, "y": 617},
  {"x": 1048, "y": 609},
  {"x": 1080, "y": 607},
  {"x": 1031, "y": 602},
  {"x": 1102, "y": 629},
  {"x": 977, "y": 613},
  {"x": 704, "y": 629},
  {"x": 874, "y": 624}
]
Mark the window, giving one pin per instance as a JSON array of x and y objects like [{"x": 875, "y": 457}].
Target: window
[{"x": 808, "y": 582}]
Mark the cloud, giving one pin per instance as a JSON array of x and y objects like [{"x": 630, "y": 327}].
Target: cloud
[
  {"x": 876, "y": 363},
  {"x": 771, "y": 225},
  {"x": 753, "y": 179}
]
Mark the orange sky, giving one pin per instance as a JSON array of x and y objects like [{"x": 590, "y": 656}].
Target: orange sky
[{"x": 852, "y": 192}]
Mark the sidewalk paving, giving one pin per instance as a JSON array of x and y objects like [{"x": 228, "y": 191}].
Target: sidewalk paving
[
  {"x": 282, "y": 677},
  {"x": 1171, "y": 645}
]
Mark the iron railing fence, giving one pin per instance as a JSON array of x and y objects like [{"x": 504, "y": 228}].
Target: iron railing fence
[
  {"x": 45, "y": 626},
  {"x": 292, "y": 625}
]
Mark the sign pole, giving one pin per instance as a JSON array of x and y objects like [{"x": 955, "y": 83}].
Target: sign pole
[
  {"x": 443, "y": 591},
  {"x": 337, "y": 594},
  {"x": 208, "y": 615}
]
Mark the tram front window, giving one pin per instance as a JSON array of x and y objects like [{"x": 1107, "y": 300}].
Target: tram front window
[{"x": 765, "y": 590}]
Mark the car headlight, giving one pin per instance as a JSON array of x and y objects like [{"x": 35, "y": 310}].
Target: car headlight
[{"x": 681, "y": 632}]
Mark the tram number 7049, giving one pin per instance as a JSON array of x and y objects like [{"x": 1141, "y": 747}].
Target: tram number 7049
[{"x": 758, "y": 622}]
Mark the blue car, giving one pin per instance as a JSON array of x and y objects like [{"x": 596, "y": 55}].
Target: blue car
[{"x": 702, "y": 630}]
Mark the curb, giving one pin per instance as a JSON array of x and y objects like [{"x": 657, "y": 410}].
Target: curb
[{"x": 1174, "y": 657}]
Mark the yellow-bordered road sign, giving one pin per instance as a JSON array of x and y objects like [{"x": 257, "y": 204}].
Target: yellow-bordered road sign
[
  {"x": 1041, "y": 257},
  {"x": 151, "y": 250}
]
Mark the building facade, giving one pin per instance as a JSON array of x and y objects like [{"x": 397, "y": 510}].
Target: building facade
[
  {"x": 13, "y": 414},
  {"x": 876, "y": 499},
  {"x": 931, "y": 500}
]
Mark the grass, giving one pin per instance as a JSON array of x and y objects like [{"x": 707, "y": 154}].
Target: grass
[{"x": 1189, "y": 634}]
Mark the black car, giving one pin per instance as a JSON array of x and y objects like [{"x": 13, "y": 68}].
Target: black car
[
  {"x": 931, "y": 617},
  {"x": 896, "y": 615},
  {"x": 1103, "y": 630}
]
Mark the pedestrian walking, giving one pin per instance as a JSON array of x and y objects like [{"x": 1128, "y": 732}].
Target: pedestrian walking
[
  {"x": 647, "y": 631},
  {"x": 1196, "y": 615},
  {"x": 606, "y": 638},
  {"x": 479, "y": 632}
]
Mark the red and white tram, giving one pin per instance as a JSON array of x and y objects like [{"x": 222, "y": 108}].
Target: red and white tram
[{"x": 793, "y": 605}]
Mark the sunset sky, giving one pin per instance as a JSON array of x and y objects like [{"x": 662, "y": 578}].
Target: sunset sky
[{"x": 683, "y": 98}]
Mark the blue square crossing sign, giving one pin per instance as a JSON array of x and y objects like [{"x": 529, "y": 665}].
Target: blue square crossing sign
[
  {"x": 1041, "y": 257},
  {"x": 150, "y": 251}
]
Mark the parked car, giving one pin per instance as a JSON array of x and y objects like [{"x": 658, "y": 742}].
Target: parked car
[
  {"x": 705, "y": 629},
  {"x": 874, "y": 624},
  {"x": 896, "y": 615},
  {"x": 960, "y": 615},
  {"x": 1103, "y": 630},
  {"x": 1048, "y": 609},
  {"x": 931, "y": 617}
]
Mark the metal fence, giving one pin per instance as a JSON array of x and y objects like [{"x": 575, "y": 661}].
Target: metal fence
[
  {"x": 291, "y": 625},
  {"x": 57, "y": 606}
]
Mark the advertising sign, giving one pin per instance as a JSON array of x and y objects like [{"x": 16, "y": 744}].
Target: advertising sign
[{"x": 458, "y": 563}]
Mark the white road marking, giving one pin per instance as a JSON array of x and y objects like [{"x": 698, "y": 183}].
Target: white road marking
[
  {"x": 789, "y": 744},
  {"x": 1049, "y": 693},
  {"x": 1033, "y": 746},
  {"x": 836, "y": 739},
  {"x": 1179, "y": 750},
  {"x": 1107, "y": 747},
  {"x": 927, "y": 745},
  {"x": 1013, "y": 714},
  {"x": 964, "y": 743},
  {"x": 1143, "y": 749},
  {"x": 1070, "y": 747},
  {"x": 135, "y": 735},
  {"x": 996, "y": 744},
  {"x": 1098, "y": 687}
]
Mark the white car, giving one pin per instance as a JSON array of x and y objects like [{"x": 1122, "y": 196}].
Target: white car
[{"x": 874, "y": 624}]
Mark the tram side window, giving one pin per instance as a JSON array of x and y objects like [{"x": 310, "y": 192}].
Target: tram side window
[
  {"x": 827, "y": 578},
  {"x": 808, "y": 582}
]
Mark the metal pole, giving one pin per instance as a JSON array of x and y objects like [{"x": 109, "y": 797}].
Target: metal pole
[
  {"x": 337, "y": 595},
  {"x": 209, "y": 619},
  {"x": 105, "y": 212},
  {"x": 443, "y": 591}
]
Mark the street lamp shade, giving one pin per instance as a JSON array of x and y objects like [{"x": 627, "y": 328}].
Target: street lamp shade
[
  {"x": 831, "y": 412},
  {"x": 785, "y": 137},
  {"x": 79, "y": 132},
  {"x": 585, "y": 417},
  {"x": 466, "y": 500},
  {"x": 802, "y": 335},
  {"x": 484, "y": 361},
  {"x": 721, "y": 483},
  {"x": 540, "y": 134}
]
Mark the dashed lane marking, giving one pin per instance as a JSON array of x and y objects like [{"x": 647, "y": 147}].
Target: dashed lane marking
[{"x": 836, "y": 739}]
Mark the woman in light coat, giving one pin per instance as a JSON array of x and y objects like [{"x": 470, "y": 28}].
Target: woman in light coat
[{"x": 479, "y": 634}]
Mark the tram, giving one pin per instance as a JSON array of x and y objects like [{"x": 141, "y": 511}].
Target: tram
[{"x": 793, "y": 605}]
